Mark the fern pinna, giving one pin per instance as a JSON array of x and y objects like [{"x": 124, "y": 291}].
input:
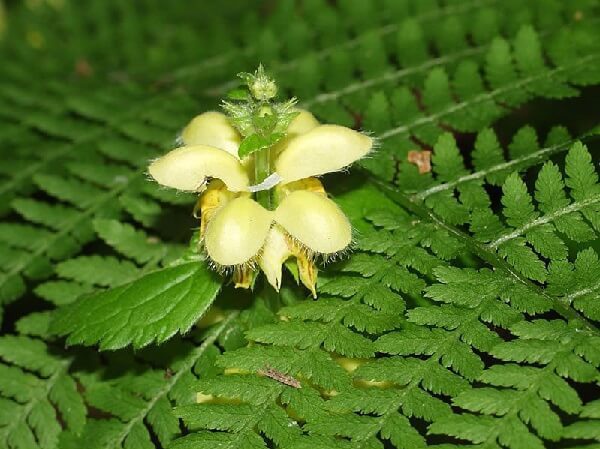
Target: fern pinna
[{"x": 466, "y": 313}]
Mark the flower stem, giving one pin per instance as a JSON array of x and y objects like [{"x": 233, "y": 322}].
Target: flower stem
[{"x": 262, "y": 169}]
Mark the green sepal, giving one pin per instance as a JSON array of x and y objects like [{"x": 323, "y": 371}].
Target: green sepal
[{"x": 265, "y": 123}]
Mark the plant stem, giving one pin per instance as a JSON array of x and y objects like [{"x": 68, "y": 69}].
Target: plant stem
[{"x": 262, "y": 169}]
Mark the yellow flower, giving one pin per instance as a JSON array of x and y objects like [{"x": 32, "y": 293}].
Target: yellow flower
[
  {"x": 210, "y": 151},
  {"x": 240, "y": 234}
]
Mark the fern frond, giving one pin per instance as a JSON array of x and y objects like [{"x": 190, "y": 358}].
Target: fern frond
[
  {"x": 139, "y": 403},
  {"x": 531, "y": 236},
  {"x": 38, "y": 395},
  {"x": 86, "y": 194},
  {"x": 539, "y": 342},
  {"x": 316, "y": 337},
  {"x": 531, "y": 391},
  {"x": 489, "y": 162},
  {"x": 411, "y": 31},
  {"x": 464, "y": 317},
  {"x": 260, "y": 411},
  {"x": 588, "y": 428},
  {"x": 478, "y": 106},
  {"x": 433, "y": 360},
  {"x": 128, "y": 241}
]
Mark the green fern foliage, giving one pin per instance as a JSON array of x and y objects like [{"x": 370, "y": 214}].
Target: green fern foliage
[
  {"x": 528, "y": 236},
  {"x": 138, "y": 397},
  {"x": 467, "y": 313},
  {"x": 39, "y": 395},
  {"x": 66, "y": 220}
]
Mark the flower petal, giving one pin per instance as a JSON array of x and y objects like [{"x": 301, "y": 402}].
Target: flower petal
[
  {"x": 323, "y": 149},
  {"x": 307, "y": 272},
  {"x": 315, "y": 221},
  {"x": 237, "y": 232},
  {"x": 274, "y": 253},
  {"x": 210, "y": 201},
  {"x": 212, "y": 129},
  {"x": 310, "y": 184},
  {"x": 302, "y": 123},
  {"x": 187, "y": 168}
]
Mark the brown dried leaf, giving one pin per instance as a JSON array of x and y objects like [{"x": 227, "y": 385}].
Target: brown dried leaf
[{"x": 422, "y": 159}]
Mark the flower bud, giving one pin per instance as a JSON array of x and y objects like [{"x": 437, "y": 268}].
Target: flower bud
[{"x": 263, "y": 88}]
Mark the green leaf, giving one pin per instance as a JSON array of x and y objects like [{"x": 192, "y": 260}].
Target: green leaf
[
  {"x": 255, "y": 142},
  {"x": 464, "y": 316},
  {"x": 150, "y": 309},
  {"x": 238, "y": 94}
]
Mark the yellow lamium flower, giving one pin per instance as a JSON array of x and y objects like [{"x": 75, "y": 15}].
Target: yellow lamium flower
[
  {"x": 259, "y": 210},
  {"x": 310, "y": 150}
]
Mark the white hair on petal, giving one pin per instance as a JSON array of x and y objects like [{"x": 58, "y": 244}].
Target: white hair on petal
[{"x": 179, "y": 139}]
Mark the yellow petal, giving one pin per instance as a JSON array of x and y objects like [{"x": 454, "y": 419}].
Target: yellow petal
[
  {"x": 237, "y": 232},
  {"x": 324, "y": 149},
  {"x": 274, "y": 253},
  {"x": 214, "y": 130},
  {"x": 202, "y": 398},
  {"x": 302, "y": 123},
  {"x": 307, "y": 271},
  {"x": 315, "y": 221},
  {"x": 214, "y": 197},
  {"x": 243, "y": 276},
  {"x": 187, "y": 168},
  {"x": 310, "y": 184}
]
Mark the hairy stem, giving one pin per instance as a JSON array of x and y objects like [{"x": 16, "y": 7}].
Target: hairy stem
[{"x": 262, "y": 169}]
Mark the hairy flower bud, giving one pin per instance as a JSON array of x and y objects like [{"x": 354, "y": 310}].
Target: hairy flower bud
[{"x": 263, "y": 89}]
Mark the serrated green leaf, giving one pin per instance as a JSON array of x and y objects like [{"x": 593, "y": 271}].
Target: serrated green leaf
[{"x": 151, "y": 308}]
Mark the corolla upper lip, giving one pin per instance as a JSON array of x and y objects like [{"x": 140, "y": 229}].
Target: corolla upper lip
[{"x": 210, "y": 151}]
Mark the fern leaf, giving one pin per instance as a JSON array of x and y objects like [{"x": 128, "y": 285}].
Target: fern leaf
[
  {"x": 128, "y": 241},
  {"x": 97, "y": 270},
  {"x": 38, "y": 392},
  {"x": 466, "y": 316},
  {"x": 140, "y": 402}
]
